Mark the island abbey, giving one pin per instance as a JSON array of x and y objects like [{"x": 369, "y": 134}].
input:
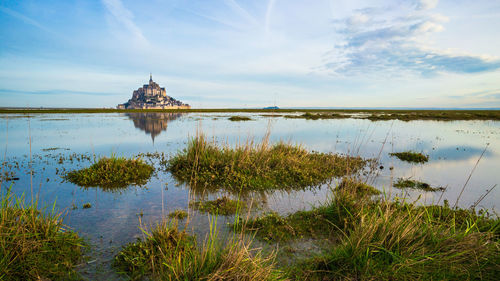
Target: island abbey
[{"x": 151, "y": 96}]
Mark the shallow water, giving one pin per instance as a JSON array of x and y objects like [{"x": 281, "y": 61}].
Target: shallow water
[{"x": 57, "y": 141}]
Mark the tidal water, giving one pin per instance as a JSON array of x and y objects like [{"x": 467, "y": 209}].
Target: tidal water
[{"x": 52, "y": 144}]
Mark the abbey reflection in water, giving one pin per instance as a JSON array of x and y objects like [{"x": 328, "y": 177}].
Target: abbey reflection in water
[{"x": 153, "y": 123}]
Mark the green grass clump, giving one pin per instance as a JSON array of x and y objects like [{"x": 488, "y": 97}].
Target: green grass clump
[
  {"x": 410, "y": 156},
  {"x": 239, "y": 118},
  {"x": 384, "y": 240},
  {"x": 414, "y": 184},
  {"x": 112, "y": 173},
  {"x": 404, "y": 243},
  {"x": 178, "y": 214},
  {"x": 257, "y": 167},
  {"x": 87, "y": 206},
  {"x": 166, "y": 253},
  {"x": 35, "y": 245},
  {"x": 220, "y": 206}
]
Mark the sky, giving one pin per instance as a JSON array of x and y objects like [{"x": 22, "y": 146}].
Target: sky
[{"x": 252, "y": 53}]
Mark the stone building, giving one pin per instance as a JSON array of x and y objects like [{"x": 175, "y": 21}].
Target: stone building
[{"x": 152, "y": 96}]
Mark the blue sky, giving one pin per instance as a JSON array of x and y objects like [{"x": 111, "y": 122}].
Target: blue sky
[{"x": 235, "y": 53}]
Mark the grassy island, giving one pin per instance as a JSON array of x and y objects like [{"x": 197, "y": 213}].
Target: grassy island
[
  {"x": 112, "y": 173},
  {"x": 239, "y": 118},
  {"x": 414, "y": 184},
  {"x": 411, "y": 156},
  {"x": 34, "y": 244},
  {"x": 257, "y": 167}
]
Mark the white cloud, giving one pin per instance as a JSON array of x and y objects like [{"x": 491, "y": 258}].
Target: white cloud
[
  {"x": 125, "y": 18},
  {"x": 427, "y": 4},
  {"x": 384, "y": 42}
]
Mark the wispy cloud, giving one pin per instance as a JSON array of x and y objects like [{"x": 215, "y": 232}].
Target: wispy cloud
[
  {"x": 269, "y": 12},
  {"x": 125, "y": 17},
  {"x": 26, "y": 19},
  {"x": 241, "y": 11},
  {"x": 376, "y": 40}
]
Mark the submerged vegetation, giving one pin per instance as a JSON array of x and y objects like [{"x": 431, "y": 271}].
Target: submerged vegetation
[
  {"x": 257, "y": 167},
  {"x": 414, "y": 184},
  {"x": 167, "y": 253},
  {"x": 112, "y": 173},
  {"x": 221, "y": 206},
  {"x": 34, "y": 244},
  {"x": 411, "y": 156}
]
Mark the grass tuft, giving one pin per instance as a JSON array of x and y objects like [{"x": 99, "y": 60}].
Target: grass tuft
[
  {"x": 410, "y": 156},
  {"x": 167, "y": 253},
  {"x": 34, "y": 244},
  {"x": 386, "y": 240},
  {"x": 257, "y": 167},
  {"x": 112, "y": 173}
]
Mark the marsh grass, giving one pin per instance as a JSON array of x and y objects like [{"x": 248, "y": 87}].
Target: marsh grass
[
  {"x": 34, "y": 244},
  {"x": 257, "y": 167},
  {"x": 414, "y": 184},
  {"x": 168, "y": 253},
  {"x": 239, "y": 118},
  {"x": 411, "y": 156},
  {"x": 224, "y": 206},
  {"x": 385, "y": 240},
  {"x": 111, "y": 174},
  {"x": 371, "y": 114}
]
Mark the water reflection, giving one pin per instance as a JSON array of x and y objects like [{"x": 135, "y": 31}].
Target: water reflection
[
  {"x": 153, "y": 123},
  {"x": 460, "y": 153}
]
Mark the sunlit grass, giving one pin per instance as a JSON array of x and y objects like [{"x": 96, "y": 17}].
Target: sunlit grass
[
  {"x": 34, "y": 244},
  {"x": 168, "y": 253},
  {"x": 112, "y": 173},
  {"x": 257, "y": 167}
]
